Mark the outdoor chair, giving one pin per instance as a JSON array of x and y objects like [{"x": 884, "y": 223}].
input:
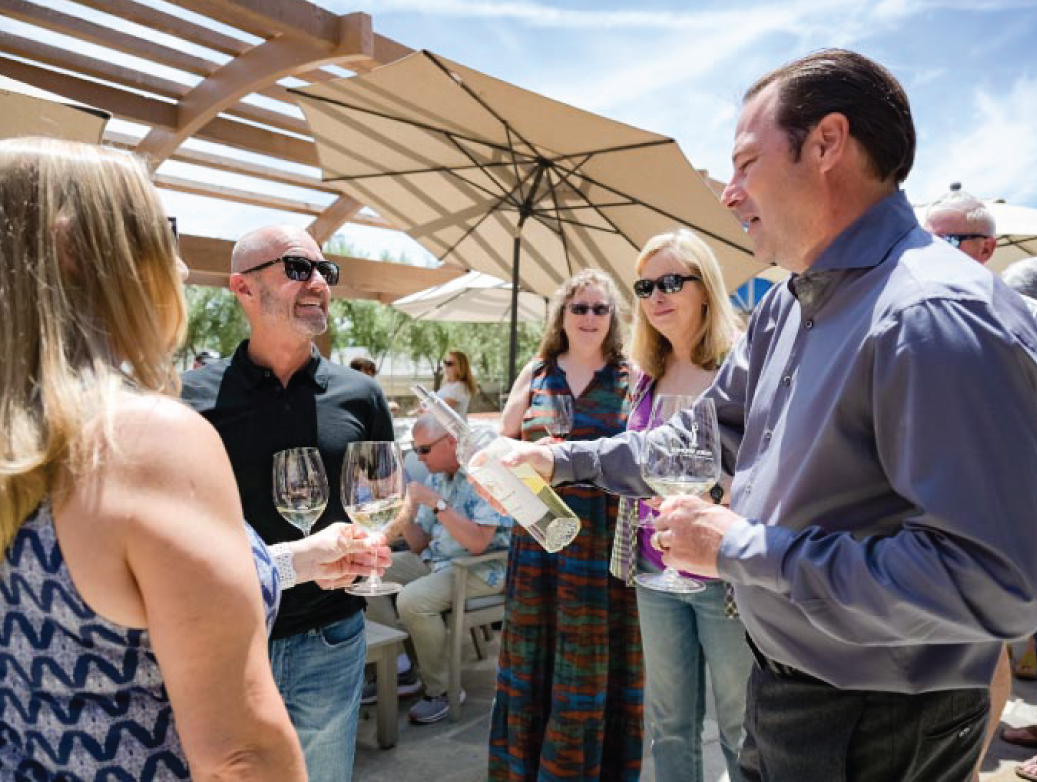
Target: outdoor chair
[{"x": 476, "y": 615}]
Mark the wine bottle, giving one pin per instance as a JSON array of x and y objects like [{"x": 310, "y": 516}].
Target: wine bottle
[{"x": 520, "y": 490}]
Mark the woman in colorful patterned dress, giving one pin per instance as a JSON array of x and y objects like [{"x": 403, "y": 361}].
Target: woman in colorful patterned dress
[
  {"x": 684, "y": 326},
  {"x": 569, "y": 683},
  {"x": 134, "y": 642}
]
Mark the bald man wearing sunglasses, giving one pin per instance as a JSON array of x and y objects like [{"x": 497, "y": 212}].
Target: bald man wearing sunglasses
[{"x": 278, "y": 392}]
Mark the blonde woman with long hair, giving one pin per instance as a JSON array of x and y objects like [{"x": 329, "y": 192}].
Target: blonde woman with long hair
[
  {"x": 135, "y": 638},
  {"x": 684, "y": 326}
]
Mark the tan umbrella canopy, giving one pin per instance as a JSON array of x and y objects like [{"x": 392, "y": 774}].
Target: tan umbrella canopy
[
  {"x": 505, "y": 181},
  {"x": 29, "y": 111}
]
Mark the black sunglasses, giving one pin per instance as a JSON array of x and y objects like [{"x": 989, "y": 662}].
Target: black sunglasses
[
  {"x": 300, "y": 268},
  {"x": 172, "y": 227},
  {"x": 598, "y": 309},
  {"x": 448, "y": 363},
  {"x": 425, "y": 450},
  {"x": 668, "y": 283},
  {"x": 955, "y": 240}
]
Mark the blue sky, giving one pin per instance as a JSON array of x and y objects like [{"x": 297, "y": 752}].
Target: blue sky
[{"x": 680, "y": 68}]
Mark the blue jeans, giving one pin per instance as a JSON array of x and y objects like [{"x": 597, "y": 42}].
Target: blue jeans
[
  {"x": 681, "y": 635},
  {"x": 320, "y": 674}
]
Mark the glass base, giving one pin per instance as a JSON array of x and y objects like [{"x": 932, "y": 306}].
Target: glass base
[
  {"x": 669, "y": 580},
  {"x": 367, "y": 589}
]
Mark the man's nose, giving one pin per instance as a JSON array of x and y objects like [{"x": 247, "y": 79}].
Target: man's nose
[{"x": 732, "y": 195}]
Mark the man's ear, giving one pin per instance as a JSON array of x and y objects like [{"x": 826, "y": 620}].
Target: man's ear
[
  {"x": 240, "y": 287},
  {"x": 828, "y": 140},
  {"x": 987, "y": 248}
]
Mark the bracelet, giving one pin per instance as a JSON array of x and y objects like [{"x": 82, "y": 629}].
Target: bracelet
[{"x": 282, "y": 558}]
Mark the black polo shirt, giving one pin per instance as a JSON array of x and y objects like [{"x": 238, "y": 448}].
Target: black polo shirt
[{"x": 325, "y": 405}]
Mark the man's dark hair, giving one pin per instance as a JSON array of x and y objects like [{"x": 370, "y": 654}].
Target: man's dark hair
[{"x": 871, "y": 99}]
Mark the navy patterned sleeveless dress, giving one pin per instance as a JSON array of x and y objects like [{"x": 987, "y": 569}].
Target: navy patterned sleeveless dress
[
  {"x": 570, "y": 673},
  {"x": 82, "y": 698}
]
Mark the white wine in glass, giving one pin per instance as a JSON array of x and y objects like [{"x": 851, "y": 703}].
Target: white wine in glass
[
  {"x": 676, "y": 463},
  {"x": 373, "y": 486},
  {"x": 300, "y": 487},
  {"x": 560, "y": 408}
]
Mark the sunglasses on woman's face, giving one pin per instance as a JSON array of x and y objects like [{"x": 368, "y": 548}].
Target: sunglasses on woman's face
[
  {"x": 668, "y": 283},
  {"x": 598, "y": 309},
  {"x": 300, "y": 268},
  {"x": 448, "y": 363}
]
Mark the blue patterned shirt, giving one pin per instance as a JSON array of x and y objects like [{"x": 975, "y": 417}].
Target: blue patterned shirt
[{"x": 460, "y": 495}]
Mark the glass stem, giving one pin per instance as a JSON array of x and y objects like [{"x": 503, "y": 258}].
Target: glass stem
[{"x": 671, "y": 575}]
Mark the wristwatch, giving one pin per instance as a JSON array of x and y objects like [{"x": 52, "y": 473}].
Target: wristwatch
[
  {"x": 439, "y": 506},
  {"x": 717, "y": 493}
]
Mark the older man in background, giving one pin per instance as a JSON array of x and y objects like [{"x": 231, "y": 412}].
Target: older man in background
[
  {"x": 964, "y": 222},
  {"x": 443, "y": 518}
]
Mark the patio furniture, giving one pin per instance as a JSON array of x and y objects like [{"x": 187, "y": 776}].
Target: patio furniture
[
  {"x": 382, "y": 648},
  {"x": 475, "y": 615}
]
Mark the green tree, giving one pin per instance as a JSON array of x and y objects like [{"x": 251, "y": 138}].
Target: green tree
[{"x": 214, "y": 320}]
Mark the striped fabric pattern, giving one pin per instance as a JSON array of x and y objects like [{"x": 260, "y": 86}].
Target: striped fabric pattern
[
  {"x": 81, "y": 698},
  {"x": 570, "y": 676}
]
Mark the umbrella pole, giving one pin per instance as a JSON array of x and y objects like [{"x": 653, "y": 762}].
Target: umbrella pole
[{"x": 513, "y": 341}]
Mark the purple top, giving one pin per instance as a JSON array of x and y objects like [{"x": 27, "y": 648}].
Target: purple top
[{"x": 638, "y": 421}]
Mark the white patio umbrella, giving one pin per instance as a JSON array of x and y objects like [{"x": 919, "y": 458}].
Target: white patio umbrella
[
  {"x": 472, "y": 298},
  {"x": 29, "y": 111}
]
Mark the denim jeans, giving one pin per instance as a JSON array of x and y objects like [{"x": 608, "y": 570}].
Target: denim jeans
[
  {"x": 320, "y": 674},
  {"x": 682, "y": 635},
  {"x": 798, "y": 728}
]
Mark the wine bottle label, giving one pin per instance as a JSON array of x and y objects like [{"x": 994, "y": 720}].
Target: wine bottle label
[{"x": 515, "y": 495}]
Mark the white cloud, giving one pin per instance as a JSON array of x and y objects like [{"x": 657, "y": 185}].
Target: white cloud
[{"x": 993, "y": 158}]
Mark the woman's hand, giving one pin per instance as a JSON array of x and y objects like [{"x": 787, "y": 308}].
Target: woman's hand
[{"x": 336, "y": 555}]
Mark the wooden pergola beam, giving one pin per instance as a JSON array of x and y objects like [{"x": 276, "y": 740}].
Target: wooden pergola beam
[
  {"x": 231, "y": 165},
  {"x": 137, "y": 108},
  {"x": 209, "y": 261},
  {"x": 85, "y": 30},
  {"x": 129, "y": 77},
  {"x": 267, "y": 18},
  {"x": 263, "y": 64}
]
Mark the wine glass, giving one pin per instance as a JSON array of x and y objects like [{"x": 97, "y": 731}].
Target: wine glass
[
  {"x": 373, "y": 486},
  {"x": 675, "y": 463},
  {"x": 300, "y": 487},
  {"x": 560, "y": 422}
]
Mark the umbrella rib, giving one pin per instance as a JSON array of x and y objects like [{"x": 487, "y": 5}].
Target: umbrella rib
[
  {"x": 490, "y": 211},
  {"x": 638, "y": 202},
  {"x": 506, "y": 193},
  {"x": 471, "y": 94},
  {"x": 429, "y": 170},
  {"x": 403, "y": 120}
]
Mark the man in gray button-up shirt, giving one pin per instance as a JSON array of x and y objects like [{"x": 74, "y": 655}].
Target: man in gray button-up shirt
[{"x": 882, "y": 409}]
